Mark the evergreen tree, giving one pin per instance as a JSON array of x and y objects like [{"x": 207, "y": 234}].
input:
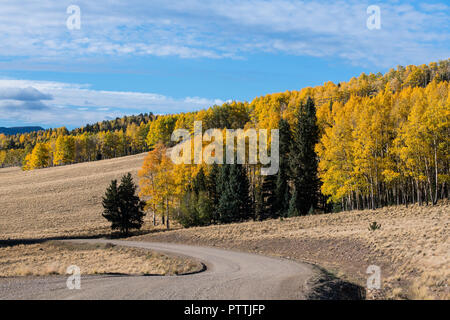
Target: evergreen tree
[
  {"x": 303, "y": 159},
  {"x": 239, "y": 178},
  {"x": 228, "y": 207},
  {"x": 122, "y": 207},
  {"x": 282, "y": 195},
  {"x": 233, "y": 188},
  {"x": 189, "y": 216},
  {"x": 196, "y": 208},
  {"x": 199, "y": 182},
  {"x": 259, "y": 204},
  {"x": 111, "y": 205},
  {"x": 268, "y": 197},
  {"x": 221, "y": 189},
  {"x": 293, "y": 211},
  {"x": 205, "y": 209},
  {"x": 211, "y": 188}
]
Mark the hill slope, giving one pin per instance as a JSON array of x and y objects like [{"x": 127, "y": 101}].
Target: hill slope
[
  {"x": 59, "y": 201},
  {"x": 20, "y": 130}
]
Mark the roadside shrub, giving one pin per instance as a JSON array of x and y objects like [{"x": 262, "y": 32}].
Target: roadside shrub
[{"x": 374, "y": 226}]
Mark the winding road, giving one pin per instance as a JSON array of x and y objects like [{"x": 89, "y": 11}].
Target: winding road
[{"x": 229, "y": 275}]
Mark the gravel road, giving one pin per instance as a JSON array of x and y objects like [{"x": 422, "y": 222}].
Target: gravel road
[{"x": 229, "y": 275}]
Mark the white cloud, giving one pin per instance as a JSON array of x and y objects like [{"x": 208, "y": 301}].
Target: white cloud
[
  {"x": 23, "y": 94},
  {"x": 76, "y": 104},
  {"x": 228, "y": 28}
]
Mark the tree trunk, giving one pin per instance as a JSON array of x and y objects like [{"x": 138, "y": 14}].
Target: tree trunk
[
  {"x": 167, "y": 213},
  {"x": 372, "y": 195},
  {"x": 358, "y": 205},
  {"x": 436, "y": 174},
  {"x": 430, "y": 184},
  {"x": 419, "y": 196}
]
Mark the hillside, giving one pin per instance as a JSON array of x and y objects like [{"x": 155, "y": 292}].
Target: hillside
[
  {"x": 60, "y": 201},
  {"x": 64, "y": 202},
  {"x": 19, "y": 130}
]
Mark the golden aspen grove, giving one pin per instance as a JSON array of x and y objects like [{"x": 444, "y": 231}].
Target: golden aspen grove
[{"x": 384, "y": 140}]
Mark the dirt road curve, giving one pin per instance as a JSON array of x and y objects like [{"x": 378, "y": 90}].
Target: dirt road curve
[{"x": 229, "y": 275}]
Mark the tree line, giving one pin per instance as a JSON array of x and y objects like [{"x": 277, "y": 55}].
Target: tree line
[
  {"x": 59, "y": 146},
  {"x": 392, "y": 148},
  {"x": 198, "y": 195},
  {"x": 374, "y": 141}
]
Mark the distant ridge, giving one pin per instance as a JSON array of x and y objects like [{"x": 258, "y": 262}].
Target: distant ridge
[{"x": 20, "y": 130}]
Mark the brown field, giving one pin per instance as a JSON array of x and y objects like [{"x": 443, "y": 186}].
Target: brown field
[
  {"x": 65, "y": 202},
  {"x": 53, "y": 257},
  {"x": 59, "y": 202},
  {"x": 411, "y": 248}
]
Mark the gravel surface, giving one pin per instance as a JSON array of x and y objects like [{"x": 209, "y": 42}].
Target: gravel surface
[{"x": 229, "y": 275}]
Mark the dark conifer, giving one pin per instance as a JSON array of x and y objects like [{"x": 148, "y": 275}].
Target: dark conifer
[
  {"x": 122, "y": 207},
  {"x": 282, "y": 195},
  {"x": 268, "y": 197},
  {"x": 303, "y": 160},
  {"x": 233, "y": 188}
]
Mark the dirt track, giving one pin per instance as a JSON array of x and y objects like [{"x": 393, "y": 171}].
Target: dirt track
[{"x": 229, "y": 275}]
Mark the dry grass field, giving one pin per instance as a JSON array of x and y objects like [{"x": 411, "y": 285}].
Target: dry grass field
[
  {"x": 53, "y": 257},
  {"x": 66, "y": 202},
  {"x": 412, "y": 247},
  {"x": 59, "y": 202}
]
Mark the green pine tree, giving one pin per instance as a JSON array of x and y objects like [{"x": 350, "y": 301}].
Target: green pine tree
[
  {"x": 293, "y": 211},
  {"x": 282, "y": 194},
  {"x": 188, "y": 211},
  {"x": 303, "y": 160},
  {"x": 122, "y": 207},
  {"x": 211, "y": 188},
  {"x": 199, "y": 182},
  {"x": 258, "y": 203},
  {"x": 221, "y": 191},
  {"x": 233, "y": 188},
  {"x": 242, "y": 191},
  {"x": 204, "y": 208},
  {"x": 268, "y": 197}
]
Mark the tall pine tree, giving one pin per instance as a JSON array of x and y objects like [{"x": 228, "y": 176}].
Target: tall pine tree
[
  {"x": 268, "y": 197},
  {"x": 282, "y": 195},
  {"x": 303, "y": 160},
  {"x": 199, "y": 182},
  {"x": 292, "y": 210},
  {"x": 122, "y": 207},
  {"x": 211, "y": 188},
  {"x": 233, "y": 187}
]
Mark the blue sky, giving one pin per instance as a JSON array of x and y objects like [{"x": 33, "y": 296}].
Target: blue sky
[{"x": 165, "y": 56}]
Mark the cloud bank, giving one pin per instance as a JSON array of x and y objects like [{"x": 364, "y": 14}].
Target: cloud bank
[
  {"x": 56, "y": 103},
  {"x": 411, "y": 32}
]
